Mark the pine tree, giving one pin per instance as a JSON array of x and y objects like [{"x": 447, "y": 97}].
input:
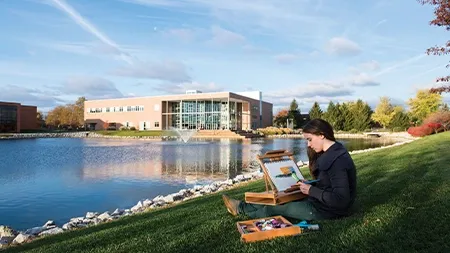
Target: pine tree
[
  {"x": 400, "y": 120},
  {"x": 331, "y": 115},
  {"x": 346, "y": 117},
  {"x": 361, "y": 115},
  {"x": 294, "y": 114},
  {"x": 339, "y": 124},
  {"x": 315, "y": 112}
]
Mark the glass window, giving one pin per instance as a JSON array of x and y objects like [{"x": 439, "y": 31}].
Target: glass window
[
  {"x": 156, "y": 124},
  {"x": 8, "y": 118}
]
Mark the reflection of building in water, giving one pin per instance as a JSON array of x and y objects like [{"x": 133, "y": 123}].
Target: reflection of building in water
[{"x": 169, "y": 161}]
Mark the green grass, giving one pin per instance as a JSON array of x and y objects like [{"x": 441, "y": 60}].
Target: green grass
[
  {"x": 136, "y": 133},
  {"x": 403, "y": 206}
]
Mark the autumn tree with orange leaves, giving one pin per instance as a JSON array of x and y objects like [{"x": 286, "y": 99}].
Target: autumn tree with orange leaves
[{"x": 442, "y": 18}]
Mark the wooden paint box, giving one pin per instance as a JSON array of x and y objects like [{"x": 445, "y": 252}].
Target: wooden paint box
[{"x": 250, "y": 232}]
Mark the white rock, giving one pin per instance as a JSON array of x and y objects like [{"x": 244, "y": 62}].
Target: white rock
[
  {"x": 117, "y": 212},
  {"x": 137, "y": 207},
  {"x": 147, "y": 203},
  {"x": 158, "y": 198},
  {"x": 6, "y": 231},
  {"x": 229, "y": 182},
  {"x": 240, "y": 178},
  {"x": 49, "y": 224},
  {"x": 198, "y": 188},
  {"x": 68, "y": 226},
  {"x": 77, "y": 220},
  {"x": 104, "y": 216},
  {"x": 52, "y": 231},
  {"x": 247, "y": 176},
  {"x": 91, "y": 215},
  {"x": 168, "y": 199},
  {"x": 34, "y": 231},
  {"x": 183, "y": 192},
  {"x": 21, "y": 238},
  {"x": 4, "y": 242}
]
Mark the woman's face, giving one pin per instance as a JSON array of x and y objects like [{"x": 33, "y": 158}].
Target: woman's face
[{"x": 314, "y": 141}]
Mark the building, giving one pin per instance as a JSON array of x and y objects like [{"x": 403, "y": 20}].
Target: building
[
  {"x": 16, "y": 118},
  {"x": 193, "y": 110}
]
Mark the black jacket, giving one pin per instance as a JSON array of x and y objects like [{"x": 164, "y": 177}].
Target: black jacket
[{"x": 335, "y": 193}]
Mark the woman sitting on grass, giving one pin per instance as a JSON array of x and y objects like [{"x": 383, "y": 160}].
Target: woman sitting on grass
[{"x": 331, "y": 197}]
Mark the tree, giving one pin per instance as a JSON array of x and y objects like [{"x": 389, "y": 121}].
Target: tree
[
  {"x": 39, "y": 119},
  {"x": 339, "y": 123},
  {"x": 444, "y": 108},
  {"x": 400, "y": 120},
  {"x": 442, "y": 18},
  {"x": 281, "y": 118},
  {"x": 384, "y": 112},
  {"x": 346, "y": 117},
  {"x": 79, "y": 111},
  {"x": 331, "y": 115},
  {"x": 423, "y": 104},
  {"x": 294, "y": 114},
  {"x": 441, "y": 118},
  {"x": 316, "y": 111},
  {"x": 361, "y": 114}
]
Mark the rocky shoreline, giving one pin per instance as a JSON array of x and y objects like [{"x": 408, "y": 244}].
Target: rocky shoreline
[
  {"x": 10, "y": 237},
  {"x": 398, "y": 136}
]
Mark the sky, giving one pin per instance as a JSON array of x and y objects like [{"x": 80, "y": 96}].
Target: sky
[{"x": 54, "y": 51}]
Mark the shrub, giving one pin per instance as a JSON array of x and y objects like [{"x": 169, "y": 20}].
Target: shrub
[
  {"x": 420, "y": 131},
  {"x": 442, "y": 118},
  {"x": 123, "y": 128},
  {"x": 132, "y": 128}
]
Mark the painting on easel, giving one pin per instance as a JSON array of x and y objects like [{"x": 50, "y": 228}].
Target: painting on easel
[{"x": 283, "y": 173}]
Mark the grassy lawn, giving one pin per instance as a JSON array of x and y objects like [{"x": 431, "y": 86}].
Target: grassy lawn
[
  {"x": 403, "y": 199},
  {"x": 136, "y": 133}
]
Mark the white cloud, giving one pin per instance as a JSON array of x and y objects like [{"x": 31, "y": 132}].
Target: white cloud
[
  {"x": 363, "y": 80},
  {"x": 28, "y": 96},
  {"x": 343, "y": 47},
  {"x": 171, "y": 71},
  {"x": 91, "y": 87},
  {"x": 313, "y": 91},
  {"x": 86, "y": 25},
  {"x": 224, "y": 37},
  {"x": 181, "y": 88},
  {"x": 285, "y": 58},
  {"x": 183, "y": 34}
]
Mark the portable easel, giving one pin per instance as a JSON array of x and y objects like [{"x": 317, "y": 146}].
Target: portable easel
[{"x": 272, "y": 196}]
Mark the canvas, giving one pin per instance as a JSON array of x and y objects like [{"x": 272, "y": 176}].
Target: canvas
[{"x": 281, "y": 181}]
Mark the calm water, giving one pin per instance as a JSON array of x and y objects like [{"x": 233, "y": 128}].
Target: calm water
[{"x": 57, "y": 179}]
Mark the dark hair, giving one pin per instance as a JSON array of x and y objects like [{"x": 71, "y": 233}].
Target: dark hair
[
  {"x": 317, "y": 127},
  {"x": 312, "y": 157}
]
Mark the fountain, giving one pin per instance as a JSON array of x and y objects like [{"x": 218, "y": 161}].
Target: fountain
[{"x": 185, "y": 134}]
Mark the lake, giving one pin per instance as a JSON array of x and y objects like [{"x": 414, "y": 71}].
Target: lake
[{"x": 57, "y": 179}]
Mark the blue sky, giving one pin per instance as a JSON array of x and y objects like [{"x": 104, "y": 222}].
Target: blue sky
[{"x": 53, "y": 51}]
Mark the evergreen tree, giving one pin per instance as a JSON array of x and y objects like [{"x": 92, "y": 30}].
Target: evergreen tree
[
  {"x": 315, "y": 112},
  {"x": 295, "y": 114},
  {"x": 400, "y": 120},
  {"x": 331, "y": 115},
  {"x": 361, "y": 114},
  {"x": 346, "y": 117},
  {"x": 339, "y": 124}
]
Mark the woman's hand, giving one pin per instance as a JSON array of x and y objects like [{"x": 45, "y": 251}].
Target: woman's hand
[{"x": 304, "y": 188}]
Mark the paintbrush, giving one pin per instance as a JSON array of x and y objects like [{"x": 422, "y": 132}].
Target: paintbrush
[{"x": 289, "y": 171}]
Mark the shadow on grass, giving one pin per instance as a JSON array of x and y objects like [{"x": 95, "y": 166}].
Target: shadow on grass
[{"x": 402, "y": 199}]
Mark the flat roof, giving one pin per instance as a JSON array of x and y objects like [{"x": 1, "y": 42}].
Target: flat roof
[{"x": 176, "y": 96}]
